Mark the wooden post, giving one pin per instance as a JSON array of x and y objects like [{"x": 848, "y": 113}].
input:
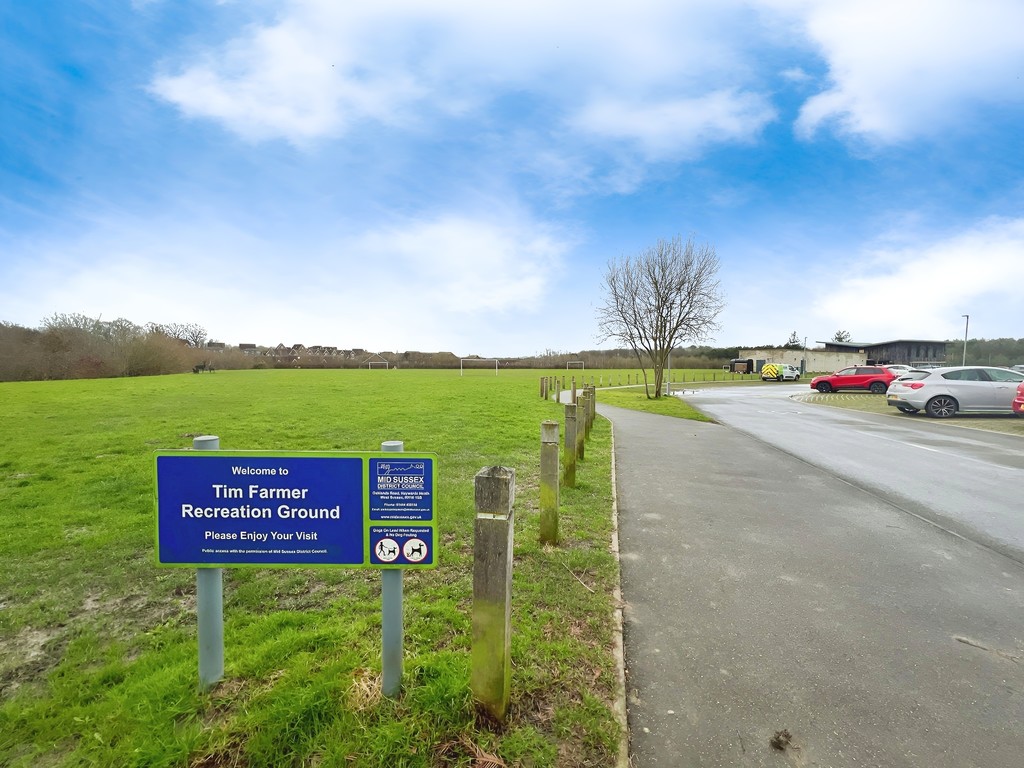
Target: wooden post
[
  {"x": 591, "y": 400},
  {"x": 549, "y": 491},
  {"x": 574, "y": 389},
  {"x": 581, "y": 426},
  {"x": 558, "y": 391},
  {"x": 544, "y": 387},
  {"x": 491, "y": 659},
  {"x": 569, "y": 454}
]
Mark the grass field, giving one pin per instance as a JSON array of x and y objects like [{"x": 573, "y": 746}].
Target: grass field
[{"x": 98, "y": 657}]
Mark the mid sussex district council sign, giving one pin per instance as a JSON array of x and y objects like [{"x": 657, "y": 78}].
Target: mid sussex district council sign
[{"x": 249, "y": 508}]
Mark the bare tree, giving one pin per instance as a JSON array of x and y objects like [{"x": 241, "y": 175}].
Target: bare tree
[
  {"x": 841, "y": 336},
  {"x": 659, "y": 298},
  {"x": 793, "y": 342}
]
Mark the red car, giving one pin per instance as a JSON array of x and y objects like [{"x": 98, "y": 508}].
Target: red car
[
  {"x": 1018, "y": 401},
  {"x": 874, "y": 378}
]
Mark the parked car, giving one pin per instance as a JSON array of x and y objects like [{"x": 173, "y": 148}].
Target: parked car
[
  {"x": 899, "y": 369},
  {"x": 943, "y": 392},
  {"x": 779, "y": 372},
  {"x": 1018, "y": 401},
  {"x": 874, "y": 378}
]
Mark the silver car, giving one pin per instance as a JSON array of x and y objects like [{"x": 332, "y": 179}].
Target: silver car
[{"x": 942, "y": 392}]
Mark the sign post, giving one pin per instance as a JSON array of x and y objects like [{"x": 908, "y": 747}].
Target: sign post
[
  {"x": 391, "y": 614},
  {"x": 219, "y": 509},
  {"x": 210, "y": 604}
]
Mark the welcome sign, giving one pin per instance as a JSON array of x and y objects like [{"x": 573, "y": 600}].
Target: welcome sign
[{"x": 253, "y": 508}]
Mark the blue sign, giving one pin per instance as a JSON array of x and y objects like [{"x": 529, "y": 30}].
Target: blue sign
[
  {"x": 401, "y": 490},
  {"x": 222, "y": 508}
]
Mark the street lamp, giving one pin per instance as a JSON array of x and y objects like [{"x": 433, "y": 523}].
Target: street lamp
[{"x": 967, "y": 323}]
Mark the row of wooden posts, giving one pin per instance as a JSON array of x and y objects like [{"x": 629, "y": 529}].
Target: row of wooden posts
[{"x": 494, "y": 496}]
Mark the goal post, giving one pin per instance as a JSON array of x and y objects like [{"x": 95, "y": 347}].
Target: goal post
[
  {"x": 581, "y": 364},
  {"x": 378, "y": 364},
  {"x": 488, "y": 360}
]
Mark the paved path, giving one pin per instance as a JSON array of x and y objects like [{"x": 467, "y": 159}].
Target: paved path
[{"x": 764, "y": 595}]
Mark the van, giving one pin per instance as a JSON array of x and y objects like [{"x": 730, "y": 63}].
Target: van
[{"x": 779, "y": 372}]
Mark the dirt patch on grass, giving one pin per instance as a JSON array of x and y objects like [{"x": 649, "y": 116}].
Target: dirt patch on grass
[{"x": 27, "y": 655}]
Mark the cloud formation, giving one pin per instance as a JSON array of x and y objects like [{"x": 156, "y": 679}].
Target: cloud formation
[{"x": 916, "y": 67}]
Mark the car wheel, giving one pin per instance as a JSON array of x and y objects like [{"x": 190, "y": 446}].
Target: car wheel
[
  {"x": 906, "y": 409},
  {"x": 941, "y": 407},
  {"x": 824, "y": 386},
  {"x": 878, "y": 387}
]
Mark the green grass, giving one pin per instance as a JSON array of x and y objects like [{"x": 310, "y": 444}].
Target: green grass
[
  {"x": 636, "y": 399},
  {"x": 98, "y": 656}
]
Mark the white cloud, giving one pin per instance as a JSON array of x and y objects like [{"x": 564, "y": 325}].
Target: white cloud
[
  {"x": 322, "y": 67},
  {"x": 412, "y": 284},
  {"x": 903, "y": 69},
  {"x": 921, "y": 291},
  {"x": 681, "y": 126}
]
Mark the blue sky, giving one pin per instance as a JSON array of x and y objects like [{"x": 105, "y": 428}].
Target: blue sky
[{"x": 453, "y": 175}]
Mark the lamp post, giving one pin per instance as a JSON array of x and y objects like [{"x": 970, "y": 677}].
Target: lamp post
[{"x": 967, "y": 323}]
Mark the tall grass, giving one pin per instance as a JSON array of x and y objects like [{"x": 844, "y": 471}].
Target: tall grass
[{"x": 98, "y": 658}]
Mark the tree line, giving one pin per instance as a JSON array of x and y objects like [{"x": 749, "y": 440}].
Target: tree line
[{"x": 74, "y": 346}]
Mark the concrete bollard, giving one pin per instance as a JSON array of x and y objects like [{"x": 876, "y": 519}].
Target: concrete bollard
[
  {"x": 549, "y": 490},
  {"x": 491, "y": 658}
]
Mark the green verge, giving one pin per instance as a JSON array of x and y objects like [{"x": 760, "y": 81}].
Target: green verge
[
  {"x": 636, "y": 399},
  {"x": 98, "y": 657}
]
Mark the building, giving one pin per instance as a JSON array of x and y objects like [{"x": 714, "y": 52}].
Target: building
[{"x": 904, "y": 351}]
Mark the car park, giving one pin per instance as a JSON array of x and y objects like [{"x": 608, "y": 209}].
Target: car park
[
  {"x": 944, "y": 392},
  {"x": 779, "y": 372},
  {"x": 873, "y": 378}
]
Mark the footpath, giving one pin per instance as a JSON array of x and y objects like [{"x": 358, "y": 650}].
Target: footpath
[{"x": 777, "y": 616}]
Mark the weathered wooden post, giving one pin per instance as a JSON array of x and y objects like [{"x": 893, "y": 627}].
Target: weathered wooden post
[
  {"x": 581, "y": 426},
  {"x": 574, "y": 389},
  {"x": 549, "y": 491},
  {"x": 491, "y": 660},
  {"x": 558, "y": 391},
  {"x": 591, "y": 408},
  {"x": 569, "y": 454},
  {"x": 544, "y": 387}
]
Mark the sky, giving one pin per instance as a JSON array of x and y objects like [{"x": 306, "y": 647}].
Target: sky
[{"x": 446, "y": 175}]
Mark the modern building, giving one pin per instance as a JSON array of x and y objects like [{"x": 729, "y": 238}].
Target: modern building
[{"x": 904, "y": 351}]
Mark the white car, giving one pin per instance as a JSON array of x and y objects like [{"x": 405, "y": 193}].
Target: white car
[
  {"x": 899, "y": 369},
  {"x": 780, "y": 372},
  {"x": 943, "y": 392}
]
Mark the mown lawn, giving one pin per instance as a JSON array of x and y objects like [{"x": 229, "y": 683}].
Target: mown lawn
[{"x": 98, "y": 657}]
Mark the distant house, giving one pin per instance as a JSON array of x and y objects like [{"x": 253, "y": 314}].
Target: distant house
[{"x": 904, "y": 351}]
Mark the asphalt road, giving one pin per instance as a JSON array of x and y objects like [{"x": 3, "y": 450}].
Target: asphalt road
[
  {"x": 769, "y": 597},
  {"x": 967, "y": 481}
]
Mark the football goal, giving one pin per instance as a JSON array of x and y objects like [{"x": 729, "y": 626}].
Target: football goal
[
  {"x": 581, "y": 364},
  {"x": 476, "y": 363},
  {"x": 378, "y": 364}
]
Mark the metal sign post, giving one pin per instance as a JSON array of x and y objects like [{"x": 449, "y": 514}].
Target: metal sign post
[
  {"x": 210, "y": 604},
  {"x": 391, "y": 614}
]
